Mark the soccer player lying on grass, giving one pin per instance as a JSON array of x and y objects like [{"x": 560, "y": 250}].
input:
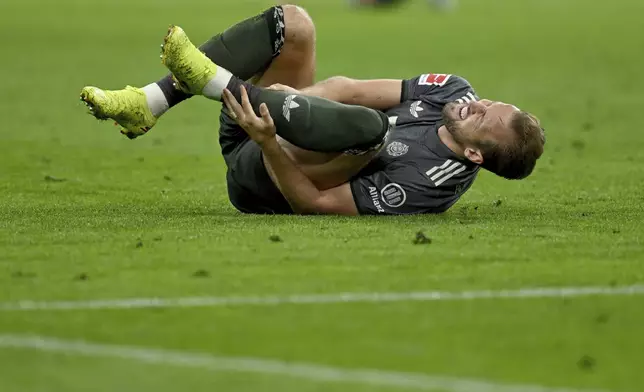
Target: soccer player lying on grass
[{"x": 341, "y": 146}]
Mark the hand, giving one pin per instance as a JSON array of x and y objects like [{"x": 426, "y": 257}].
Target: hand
[
  {"x": 284, "y": 88},
  {"x": 260, "y": 129}
]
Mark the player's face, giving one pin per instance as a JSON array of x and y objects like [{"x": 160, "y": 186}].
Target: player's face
[{"x": 472, "y": 124}]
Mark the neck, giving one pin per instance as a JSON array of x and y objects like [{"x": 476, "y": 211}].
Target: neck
[{"x": 447, "y": 139}]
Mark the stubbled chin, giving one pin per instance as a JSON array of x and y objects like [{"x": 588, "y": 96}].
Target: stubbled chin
[
  {"x": 449, "y": 124},
  {"x": 448, "y": 117},
  {"x": 450, "y": 113}
]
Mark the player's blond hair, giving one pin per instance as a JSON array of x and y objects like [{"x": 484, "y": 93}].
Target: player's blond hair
[{"x": 517, "y": 159}]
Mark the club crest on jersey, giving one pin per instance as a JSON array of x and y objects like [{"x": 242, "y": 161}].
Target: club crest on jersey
[
  {"x": 393, "y": 195},
  {"x": 433, "y": 79},
  {"x": 416, "y": 108},
  {"x": 397, "y": 149}
]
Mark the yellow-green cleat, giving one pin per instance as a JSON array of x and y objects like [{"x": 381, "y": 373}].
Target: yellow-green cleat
[
  {"x": 127, "y": 107},
  {"x": 190, "y": 67}
]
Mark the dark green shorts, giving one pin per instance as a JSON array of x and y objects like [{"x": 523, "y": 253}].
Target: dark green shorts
[{"x": 250, "y": 189}]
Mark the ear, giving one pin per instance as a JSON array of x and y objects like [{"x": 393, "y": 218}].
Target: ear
[{"x": 474, "y": 155}]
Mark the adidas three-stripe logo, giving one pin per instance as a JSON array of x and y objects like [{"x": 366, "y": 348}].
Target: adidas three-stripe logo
[
  {"x": 440, "y": 174},
  {"x": 470, "y": 97}
]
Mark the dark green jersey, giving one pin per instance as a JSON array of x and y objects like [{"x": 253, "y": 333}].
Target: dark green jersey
[{"x": 415, "y": 172}]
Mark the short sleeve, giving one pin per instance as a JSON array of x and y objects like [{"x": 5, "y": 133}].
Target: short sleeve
[
  {"x": 401, "y": 191},
  {"x": 440, "y": 88}
]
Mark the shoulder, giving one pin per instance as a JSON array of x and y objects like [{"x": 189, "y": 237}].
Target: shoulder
[
  {"x": 438, "y": 88},
  {"x": 441, "y": 80}
]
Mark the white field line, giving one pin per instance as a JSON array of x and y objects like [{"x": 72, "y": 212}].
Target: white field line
[
  {"x": 337, "y": 298},
  {"x": 311, "y": 372}
]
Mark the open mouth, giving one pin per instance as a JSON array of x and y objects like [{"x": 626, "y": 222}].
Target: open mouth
[{"x": 464, "y": 111}]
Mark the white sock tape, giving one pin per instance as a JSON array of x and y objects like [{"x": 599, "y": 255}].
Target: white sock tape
[
  {"x": 157, "y": 102},
  {"x": 215, "y": 87}
]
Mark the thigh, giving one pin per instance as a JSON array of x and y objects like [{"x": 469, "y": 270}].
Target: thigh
[
  {"x": 295, "y": 66},
  {"x": 250, "y": 188},
  {"x": 231, "y": 138}
]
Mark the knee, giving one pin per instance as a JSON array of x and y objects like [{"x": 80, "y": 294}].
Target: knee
[{"x": 300, "y": 29}]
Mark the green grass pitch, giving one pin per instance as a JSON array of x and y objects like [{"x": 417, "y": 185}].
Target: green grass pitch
[{"x": 86, "y": 214}]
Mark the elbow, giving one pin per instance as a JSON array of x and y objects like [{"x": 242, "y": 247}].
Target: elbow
[
  {"x": 306, "y": 211},
  {"x": 324, "y": 206},
  {"x": 315, "y": 206},
  {"x": 346, "y": 88},
  {"x": 311, "y": 208}
]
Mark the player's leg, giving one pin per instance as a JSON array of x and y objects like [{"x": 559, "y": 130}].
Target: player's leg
[
  {"x": 296, "y": 64},
  {"x": 293, "y": 66},
  {"x": 250, "y": 187},
  {"x": 247, "y": 48},
  {"x": 311, "y": 123}
]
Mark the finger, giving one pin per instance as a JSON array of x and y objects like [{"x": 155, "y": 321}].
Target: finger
[
  {"x": 248, "y": 109},
  {"x": 266, "y": 115},
  {"x": 224, "y": 97},
  {"x": 234, "y": 105}
]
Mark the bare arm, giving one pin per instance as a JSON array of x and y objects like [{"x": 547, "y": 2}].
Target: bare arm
[
  {"x": 379, "y": 94},
  {"x": 300, "y": 192},
  {"x": 329, "y": 173}
]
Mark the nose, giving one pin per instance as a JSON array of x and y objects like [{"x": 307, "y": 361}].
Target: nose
[{"x": 477, "y": 107}]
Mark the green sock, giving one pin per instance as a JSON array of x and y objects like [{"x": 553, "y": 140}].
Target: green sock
[
  {"x": 245, "y": 49},
  {"x": 318, "y": 124}
]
